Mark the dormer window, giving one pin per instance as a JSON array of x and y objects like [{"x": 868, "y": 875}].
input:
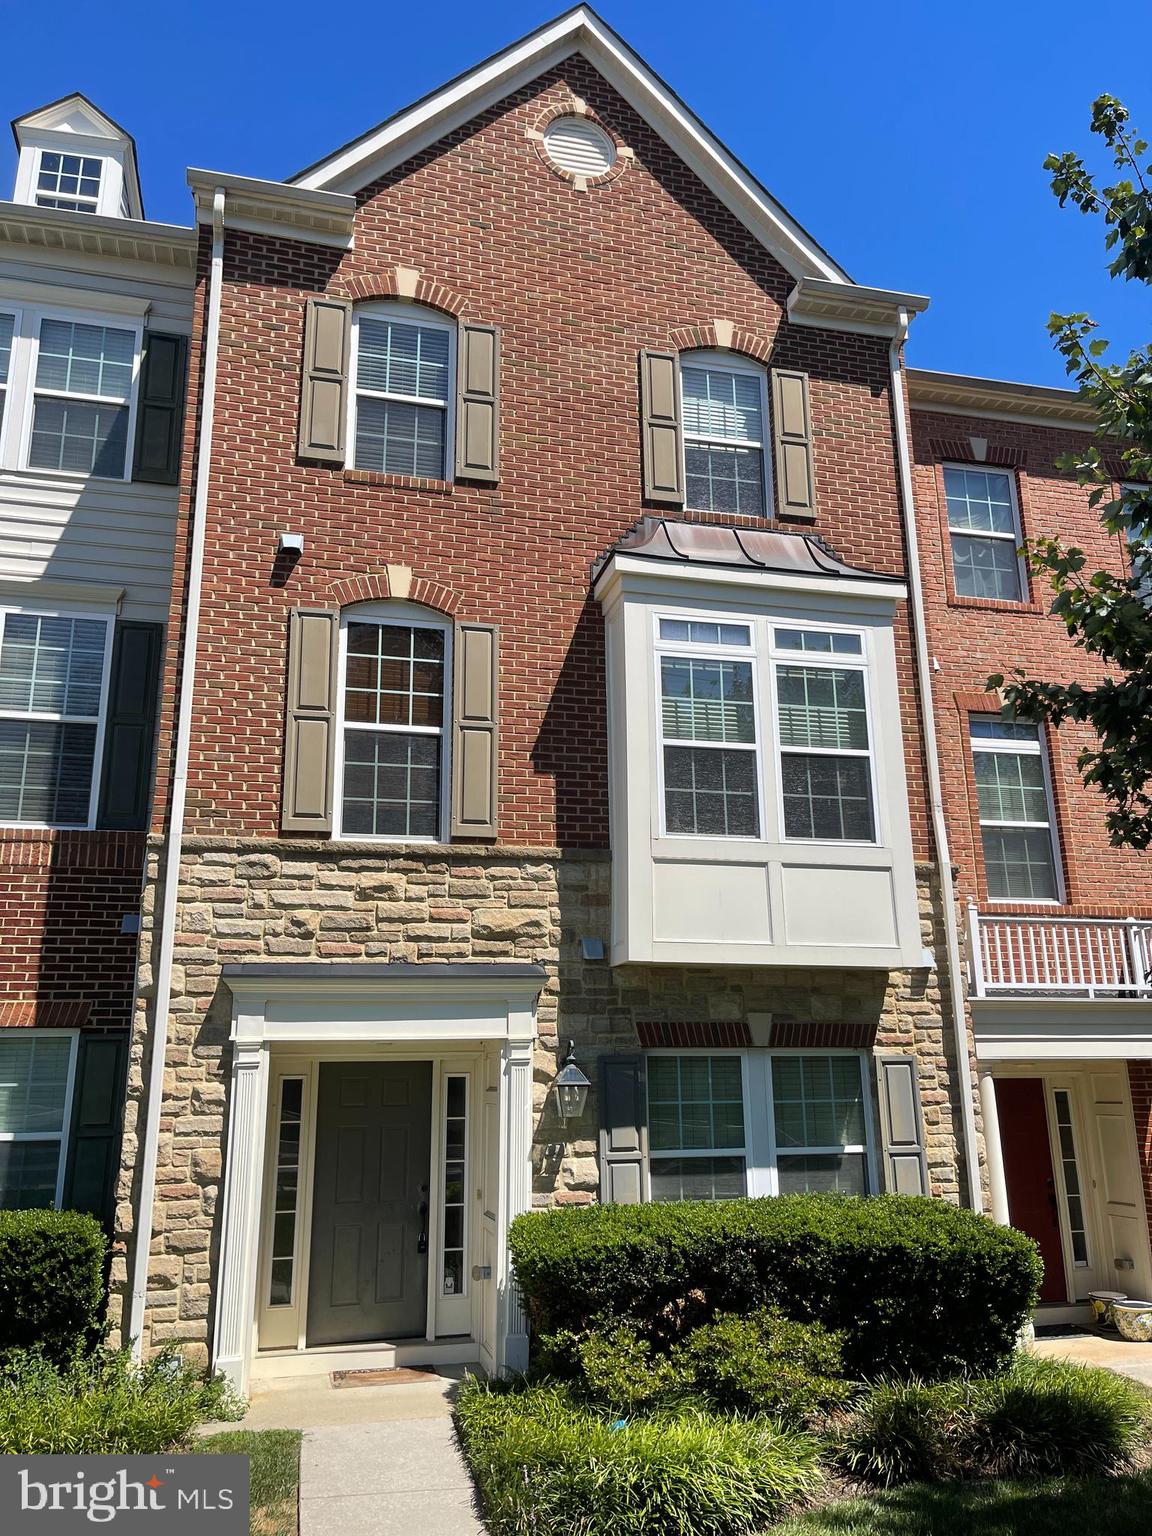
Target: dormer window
[
  {"x": 71, "y": 182},
  {"x": 74, "y": 159}
]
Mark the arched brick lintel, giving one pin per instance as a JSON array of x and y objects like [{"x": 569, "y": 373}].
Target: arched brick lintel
[
  {"x": 376, "y": 588},
  {"x": 689, "y": 338},
  {"x": 386, "y": 285}
]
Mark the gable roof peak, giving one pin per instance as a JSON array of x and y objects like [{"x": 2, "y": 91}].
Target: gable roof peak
[{"x": 579, "y": 30}]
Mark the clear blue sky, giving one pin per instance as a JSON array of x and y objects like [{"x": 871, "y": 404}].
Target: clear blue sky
[{"x": 907, "y": 137}]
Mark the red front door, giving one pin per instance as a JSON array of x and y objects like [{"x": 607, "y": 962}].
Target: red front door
[{"x": 1032, "y": 1197}]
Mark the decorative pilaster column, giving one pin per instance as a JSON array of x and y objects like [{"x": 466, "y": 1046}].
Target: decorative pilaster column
[
  {"x": 515, "y": 1196},
  {"x": 997, "y": 1185},
  {"x": 240, "y": 1224}
]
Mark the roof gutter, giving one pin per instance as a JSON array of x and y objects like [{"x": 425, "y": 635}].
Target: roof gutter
[
  {"x": 935, "y": 794},
  {"x": 163, "y": 1002}
]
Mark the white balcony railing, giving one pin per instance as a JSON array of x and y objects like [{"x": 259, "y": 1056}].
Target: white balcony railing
[{"x": 1078, "y": 956}]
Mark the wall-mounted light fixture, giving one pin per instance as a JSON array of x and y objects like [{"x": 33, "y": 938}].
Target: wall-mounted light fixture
[{"x": 570, "y": 1088}]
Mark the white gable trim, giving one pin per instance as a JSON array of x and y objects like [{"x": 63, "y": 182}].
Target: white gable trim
[{"x": 578, "y": 31}]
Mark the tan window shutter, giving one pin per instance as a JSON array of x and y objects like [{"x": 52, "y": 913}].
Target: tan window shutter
[
  {"x": 623, "y": 1130},
  {"x": 478, "y": 404},
  {"x": 475, "y": 745},
  {"x": 792, "y": 431},
  {"x": 663, "y": 443},
  {"x": 310, "y": 725},
  {"x": 902, "y": 1126},
  {"x": 324, "y": 393}
]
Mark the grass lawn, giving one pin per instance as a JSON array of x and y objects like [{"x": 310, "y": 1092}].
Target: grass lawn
[
  {"x": 1106, "y": 1506},
  {"x": 274, "y": 1471}
]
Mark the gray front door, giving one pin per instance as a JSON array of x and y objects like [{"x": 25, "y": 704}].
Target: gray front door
[{"x": 368, "y": 1276}]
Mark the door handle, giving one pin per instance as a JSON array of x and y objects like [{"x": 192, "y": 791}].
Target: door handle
[{"x": 422, "y": 1240}]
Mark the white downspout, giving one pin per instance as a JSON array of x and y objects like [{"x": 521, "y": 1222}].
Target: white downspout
[
  {"x": 939, "y": 825},
  {"x": 150, "y": 1135}
]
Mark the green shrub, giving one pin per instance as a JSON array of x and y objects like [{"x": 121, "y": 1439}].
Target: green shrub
[
  {"x": 766, "y": 1363},
  {"x": 51, "y": 1282},
  {"x": 547, "y": 1465},
  {"x": 105, "y": 1404},
  {"x": 1041, "y": 1417},
  {"x": 622, "y": 1371},
  {"x": 917, "y": 1286}
]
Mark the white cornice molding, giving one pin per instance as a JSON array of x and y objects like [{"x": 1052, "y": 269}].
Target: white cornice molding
[
  {"x": 579, "y": 31},
  {"x": 94, "y": 235},
  {"x": 832, "y": 306},
  {"x": 275, "y": 208},
  {"x": 957, "y": 394}
]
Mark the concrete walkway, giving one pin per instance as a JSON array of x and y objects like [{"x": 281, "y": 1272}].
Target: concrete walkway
[
  {"x": 379, "y": 1460},
  {"x": 1105, "y": 1349}
]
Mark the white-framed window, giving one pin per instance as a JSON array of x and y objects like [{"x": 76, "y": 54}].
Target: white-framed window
[
  {"x": 722, "y": 1124},
  {"x": 824, "y": 735},
  {"x": 68, "y": 181},
  {"x": 724, "y": 401},
  {"x": 714, "y": 729},
  {"x": 37, "y": 1071},
  {"x": 8, "y": 320},
  {"x": 708, "y": 732},
  {"x": 1017, "y": 820},
  {"x": 393, "y": 728},
  {"x": 402, "y": 406},
  {"x": 69, "y": 384},
  {"x": 53, "y": 690},
  {"x": 697, "y": 1128},
  {"x": 984, "y": 529}
]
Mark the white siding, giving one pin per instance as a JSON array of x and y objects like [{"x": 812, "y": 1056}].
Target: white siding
[{"x": 58, "y": 529}]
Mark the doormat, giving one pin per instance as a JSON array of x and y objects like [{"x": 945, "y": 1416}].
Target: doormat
[{"x": 397, "y": 1376}]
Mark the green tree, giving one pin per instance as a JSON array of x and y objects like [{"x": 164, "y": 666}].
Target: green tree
[{"x": 1108, "y": 615}]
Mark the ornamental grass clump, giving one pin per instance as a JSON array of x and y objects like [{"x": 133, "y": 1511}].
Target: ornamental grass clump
[
  {"x": 546, "y": 1464},
  {"x": 106, "y": 1404},
  {"x": 1039, "y": 1418}
]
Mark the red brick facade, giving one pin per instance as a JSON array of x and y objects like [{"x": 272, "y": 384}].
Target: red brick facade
[
  {"x": 971, "y": 638},
  {"x": 579, "y": 282},
  {"x": 64, "y": 962}
]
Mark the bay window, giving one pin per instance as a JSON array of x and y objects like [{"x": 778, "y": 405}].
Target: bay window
[
  {"x": 727, "y": 1124},
  {"x": 53, "y": 683},
  {"x": 393, "y": 737},
  {"x": 712, "y": 737},
  {"x": 36, "y": 1071}
]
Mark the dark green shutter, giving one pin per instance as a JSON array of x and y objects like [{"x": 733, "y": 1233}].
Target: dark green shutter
[
  {"x": 623, "y": 1130},
  {"x": 130, "y": 731},
  {"x": 160, "y": 408},
  {"x": 97, "y": 1115}
]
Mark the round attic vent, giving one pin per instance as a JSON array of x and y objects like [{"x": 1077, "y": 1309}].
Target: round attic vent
[{"x": 579, "y": 146}]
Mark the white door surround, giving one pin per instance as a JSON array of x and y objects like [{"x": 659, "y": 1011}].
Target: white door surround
[
  {"x": 312, "y": 1010},
  {"x": 1104, "y": 1160}
]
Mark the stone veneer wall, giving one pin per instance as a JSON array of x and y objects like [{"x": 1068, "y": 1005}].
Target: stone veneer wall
[{"x": 283, "y": 901}]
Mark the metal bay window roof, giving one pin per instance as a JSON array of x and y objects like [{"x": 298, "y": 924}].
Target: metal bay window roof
[{"x": 678, "y": 543}]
